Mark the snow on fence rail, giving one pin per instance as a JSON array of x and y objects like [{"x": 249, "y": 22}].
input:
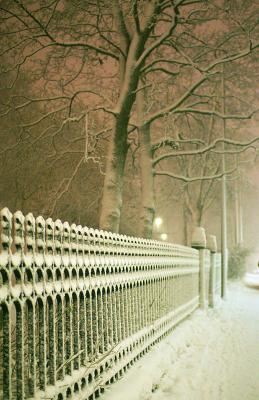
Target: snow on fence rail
[{"x": 78, "y": 306}]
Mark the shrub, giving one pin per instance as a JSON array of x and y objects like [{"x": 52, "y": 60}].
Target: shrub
[{"x": 237, "y": 262}]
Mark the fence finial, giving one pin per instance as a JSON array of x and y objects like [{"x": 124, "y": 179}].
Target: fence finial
[{"x": 199, "y": 238}]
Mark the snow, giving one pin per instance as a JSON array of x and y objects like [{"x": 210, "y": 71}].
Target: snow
[
  {"x": 213, "y": 355},
  {"x": 252, "y": 279}
]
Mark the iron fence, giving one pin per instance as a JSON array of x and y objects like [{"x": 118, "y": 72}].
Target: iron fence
[{"x": 78, "y": 306}]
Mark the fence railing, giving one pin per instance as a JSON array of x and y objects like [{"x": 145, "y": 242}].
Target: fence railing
[{"x": 78, "y": 306}]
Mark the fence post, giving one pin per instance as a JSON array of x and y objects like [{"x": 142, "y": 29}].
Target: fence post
[
  {"x": 199, "y": 243},
  {"x": 212, "y": 246}
]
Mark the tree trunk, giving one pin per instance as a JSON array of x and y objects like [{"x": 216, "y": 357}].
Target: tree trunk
[
  {"x": 113, "y": 182},
  {"x": 117, "y": 152},
  {"x": 199, "y": 215},
  {"x": 190, "y": 217},
  {"x": 185, "y": 226},
  {"x": 147, "y": 211},
  {"x": 238, "y": 215},
  {"x": 147, "y": 184}
]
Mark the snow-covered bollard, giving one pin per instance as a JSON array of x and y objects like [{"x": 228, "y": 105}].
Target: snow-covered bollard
[
  {"x": 199, "y": 242},
  {"x": 212, "y": 246}
]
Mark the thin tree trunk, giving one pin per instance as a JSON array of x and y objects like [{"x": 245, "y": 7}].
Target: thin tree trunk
[
  {"x": 146, "y": 169},
  {"x": 238, "y": 214},
  {"x": 199, "y": 216},
  {"x": 190, "y": 217},
  {"x": 224, "y": 226},
  {"x": 185, "y": 225}
]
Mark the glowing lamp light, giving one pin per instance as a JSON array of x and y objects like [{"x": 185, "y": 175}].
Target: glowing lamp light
[
  {"x": 158, "y": 221},
  {"x": 163, "y": 236}
]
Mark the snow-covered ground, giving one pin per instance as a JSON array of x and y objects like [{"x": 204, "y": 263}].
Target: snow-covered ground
[{"x": 214, "y": 355}]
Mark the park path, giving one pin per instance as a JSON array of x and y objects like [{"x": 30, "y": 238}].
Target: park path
[{"x": 213, "y": 355}]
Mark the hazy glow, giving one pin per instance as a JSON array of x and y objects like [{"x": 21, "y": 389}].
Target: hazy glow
[
  {"x": 158, "y": 221},
  {"x": 163, "y": 236}
]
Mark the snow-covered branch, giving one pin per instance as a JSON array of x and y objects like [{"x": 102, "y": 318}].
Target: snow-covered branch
[
  {"x": 161, "y": 39},
  {"x": 206, "y": 149},
  {"x": 206, "y": 73},
  {"x": 196, "y": 178},
  {"x": 55, "y": 42},
  {"x": 215, "y": 113},
  {"x": 172, "y": 107},
  {"x": 64, "y": 185},
  {"x": 174, "y": 143}
]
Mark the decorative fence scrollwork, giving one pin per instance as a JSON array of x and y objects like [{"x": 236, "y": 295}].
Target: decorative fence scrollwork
[{"x": 78, "y": 306}]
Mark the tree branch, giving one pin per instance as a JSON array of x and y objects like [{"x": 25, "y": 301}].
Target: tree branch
[
  {"x": 174, "y": 143},
  {"x": 205, "y": 149},
  {"x": 215, "y": 113},
  {"x": 194, "y": 179}
]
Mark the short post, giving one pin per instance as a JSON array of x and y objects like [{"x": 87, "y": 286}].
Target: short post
[
  {"x": 212, "y": 246},
  {"x": 199, "y": 243}
]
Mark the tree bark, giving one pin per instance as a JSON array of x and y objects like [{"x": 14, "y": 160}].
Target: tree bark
[
  {"x": 190, "y": 217},
  {"x": 185, "y": 225},
  {"x": 113, "y": 182},
  {"x": 133, "y": 46},
  {"x": 198, "y": 215},
  {"x": 146, "y": 170},
  {"x": 118, "y": 147}
]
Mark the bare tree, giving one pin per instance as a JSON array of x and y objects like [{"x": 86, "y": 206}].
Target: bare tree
[
  {"x": 88, "y": 59},
  {"x": 192, "y": 84},
  {"x": 54, "y": 38}
]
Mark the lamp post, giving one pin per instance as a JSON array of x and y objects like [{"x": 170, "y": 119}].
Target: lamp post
[{"x": 224, "y": 252}]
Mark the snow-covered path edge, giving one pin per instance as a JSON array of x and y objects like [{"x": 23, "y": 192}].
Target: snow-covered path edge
[{"x": 213, "y": 355}]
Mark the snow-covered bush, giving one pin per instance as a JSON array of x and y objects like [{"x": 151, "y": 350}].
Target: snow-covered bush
[{"x": 237, "y": 261}]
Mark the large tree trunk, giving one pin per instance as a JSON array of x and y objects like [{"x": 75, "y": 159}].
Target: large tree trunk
[
  {"x": 113, "y": 182},
  {"x": 133, "y": 46},
  {"x": 147, "y": 184},
  {"x": 146, "y": 169},
  {"x": 118, "y": 147}
]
